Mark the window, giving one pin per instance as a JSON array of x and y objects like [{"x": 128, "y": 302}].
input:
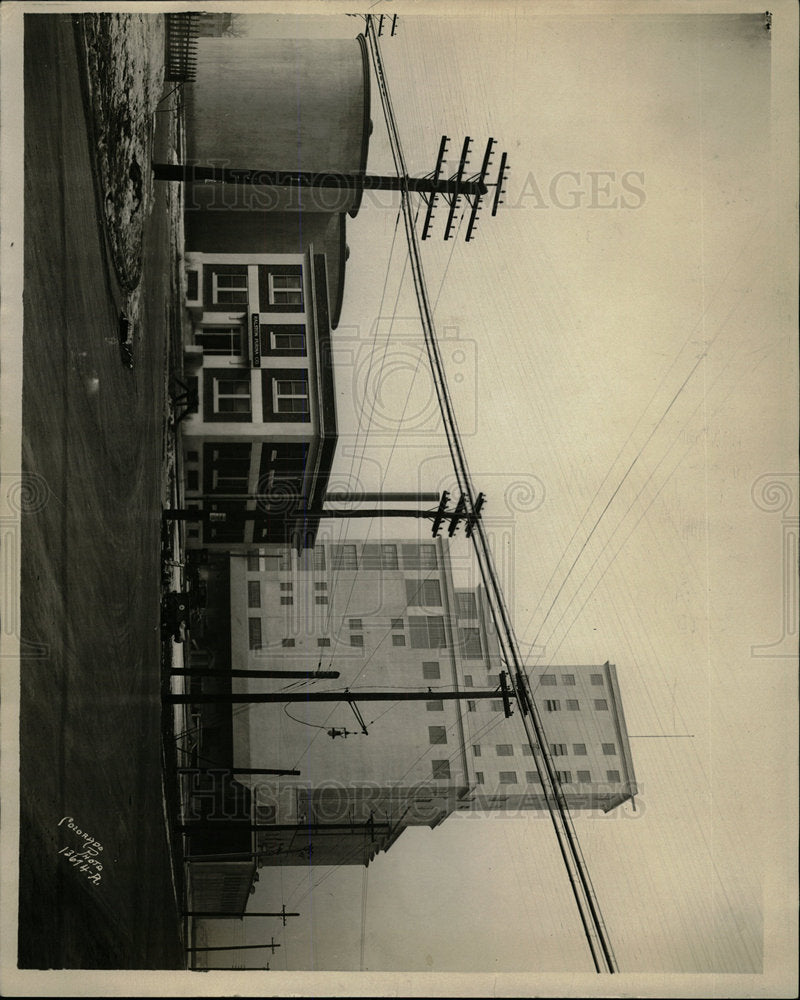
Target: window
[
  {"x": 254, "y": 632},
  {"x": 285, "y": 289},
  {"x": 220, "y": 340},
  {"x": 356, "y": 624},
  {"x": 253, "y": 562},
  {"x": 344, "y": 557},
  {"x": 585, "y": 776},
  {"x": 192, "y": 479},
  {"x": 565, "y": 777},
  {"x": 425, "y": 593},
  {"x": 526, "y": 750},
  {"x": 476, "y": 749},
  {"x": 323, "y": 641},
  {"x": 427, "y": 631},
  {"x": 496, "y": 705},
  {"x": 320, "y": 586},
  {"x": 468, "y": 680},
  {"x": 493, "y": 679},
  {"x": 470, "y": 639},
  {"x": 440, "y": 768},
  {"x": 287, "y": 599},
  {"x": 321, "y": 599},
  {"x": 288, "y": 341},
  {"x": 579, "y": 749},
  {"x": 430, "y": 670},
  {"x": 532, "y": 778},
  {"x": 609, "y": 749},
  {"x": 398, "y": 640},
  {"x": 398, "y": 623},
  {"x": 287, "y": 643},
  {"x": 253, "y": 594},
  {"x": 597, "y": 680},
  {"x": 437, "y": 734},
  {"x": 612, "y": 775},
  {"x": 508, "y": 777},
  {"x": 573, "y": 705},
  {"x": 290, "y": 395},
  {"x": 374, "y": 556},
  {"x": 601, "y": 704},
  {"x": 466, "y": 606},
  {"x": 192, "y": 456},
  {"x": 230, "y": 289},
  {"x": 558, "y": 749},
  {"x": 504, "y": 750},
  {"x": 312, "y": 559},
  {"x": 479, "y": 777},
  {"x": 356, "y": 640},
  {"x": 548, "y": 680},
  {"x": 568, "y": 680},
  {"x": 472, "y": 706},
  {"x": 231, "y": 395},
  {"x": 436, "y": 705},
  {"x": 286, "y": 586},
  {"x": 422, "y": 556},
  {"x": 553, "y": 705}
]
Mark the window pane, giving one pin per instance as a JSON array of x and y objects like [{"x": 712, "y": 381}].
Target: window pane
[
  {"x": 479, "y": 777},
  {"x": 558, "y": 749},
  {"x": 609, "y": 749},
  {"x": 398, "y": 623},
  {"x": 508, "y": 777},
  {"x": 437, "y": 734},
  {"x": 565, "y": 777},
  {"x": 612, "y": 775},
  {"x": 532, "y": 777},
  {"x": 254, "y": 632},
  {"x": 253, "y": 562},
  {"x": 504, "y": 750},
  {"x": 437, "y": 705},
  {"x": 430, "y": 670},
  {"x": 468, "y": 680},
  {"x": 476, "y": 749},
  {"x": 548, "y": 679},
  {"x": 601, "y": 704},
  {"x": 287, "y": 642},
  {"x": 398, "y": 640},
  {"x": 573, "y": 705},
  {"x": 466, "y": 605},
  {"x": 471, "y": 648},
  {"x": 388, "y": 556},
  {"x": 584, "y": 776},
  {"x": 441, "y": 768},
  {"x": 356, "y": 640},
  {"x": 597, "y": 680},
  {"x": 323, "y": 642},
  {"x": 321, "y": 599},
  {"x": 568, "y": 679},
  {"x": 553, "y": 705},
  {"x": 344, "y": 557},
  {"x": 253, "y": 594},
  {"x": 422, "y": 556},
  {"x": 579, "y": 749}
]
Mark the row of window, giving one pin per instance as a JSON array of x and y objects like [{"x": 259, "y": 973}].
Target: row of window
[
  {"x": 556, "y": 749},
  {"x": 228, "y": 340},
  {"x": 568, "y": 680},
  {"x": 347, "y": 556},
  {"x": 234, "y": 395},
  {"x": 230, "y": 288},
  {"x": 532, "y": 777},
  {"x": 573, "y": 705}
]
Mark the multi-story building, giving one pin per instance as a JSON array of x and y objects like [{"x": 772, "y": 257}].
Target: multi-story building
[
  {"x": 387, "y": 618},
  {"x": 264, "y": 271}
]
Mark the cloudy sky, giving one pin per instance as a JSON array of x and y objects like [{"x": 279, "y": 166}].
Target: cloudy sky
[{"x": 620, "y": 347}]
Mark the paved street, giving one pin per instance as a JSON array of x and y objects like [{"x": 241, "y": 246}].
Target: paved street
[{"x": 91, "y": 718}]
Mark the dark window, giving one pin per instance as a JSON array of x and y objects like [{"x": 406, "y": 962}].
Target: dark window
[
  {"x": 532, "y": 777},
  {"x": 344, "y": 557},
  {"x": 230, "y": 287},
  {"x": 558, "y": 749},
  {"x": 430, "y": 670},
  {"x": 568, "y": 680},
  {"x": 612, "y": 775},
  {"x": 573, "y": 705},
  {"x": 192, "y": 456},
  {"x": 504, "y": 750},
  {"x": 584, "y": 776},
  {"x": 470, "y": 639},
  {"x": 553, "y": 705},
  {"x": 287, "y": 642},
  {"x": 253, "y": 564},
  {"x": 287, "y": 586},
  {"x": 423, "y": 592},
  {"x": 398, "y": 623},
  {"x": 547, "y": 680},
  {"x": 609, "y": 749},
  {"x": 356, "y": 640},
  {"x": 437, "y": 705},
  {"x": 597, "y": 680},
  {"x": 253, "y": 594},
  {"x": 378, "y": 556},
  {"x": 526, "y": 750},
  {"x": 398, "y": 640},
  {"x": 321, "y": 599},
  {"x": 440, "y": 768},
  {"x": 437, "y": 734},
  {"x": 419, "y": 556},
  {"x": 287, "y": 600},
  {"x": 565, "y": 777},
  {"x": 508, "y": 777},
  {"x": 323, "y": 642},
  {"x": 427, "y": 632},
  {"x": 496, "y": 705},
  {"x": 220, "y": 340},
  {"x": 356, "y": 624},
  {"x": 285, "y": 395},
  {"x": 472, "y": 706},
  {"x": 479, "y": 777},
  {"x": 192, "y": 479},
  {"x": 466, "y": 605},
  {"x": 579, "y": 749},
  {"x": 468, "y": 680},
  {"x": 288, "y": 340},
  {"x": 601, "y": 704},
  {"x": 254, "y": 633},
  {"x": 476, "y": 749}
]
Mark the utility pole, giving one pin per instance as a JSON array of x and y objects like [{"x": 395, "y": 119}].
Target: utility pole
[
  {"x": 281, "y": 697},
  {"x": 222, "y": 915},
  {"x": 237, "y": 947},
  {"x": 238, "y": 770},
  {"x": 291, "y": 674}
]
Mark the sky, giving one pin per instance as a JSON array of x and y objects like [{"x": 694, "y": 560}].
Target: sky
[{"x": 620, "y": 348}]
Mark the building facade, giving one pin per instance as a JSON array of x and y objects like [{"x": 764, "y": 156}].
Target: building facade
[{"x": 387, "y": 617}]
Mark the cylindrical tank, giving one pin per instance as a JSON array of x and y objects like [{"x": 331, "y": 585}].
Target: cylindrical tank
[{"x": 278, "y": 104}]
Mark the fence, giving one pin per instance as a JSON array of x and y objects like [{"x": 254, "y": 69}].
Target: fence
[{"x": 181, "y": 47}]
